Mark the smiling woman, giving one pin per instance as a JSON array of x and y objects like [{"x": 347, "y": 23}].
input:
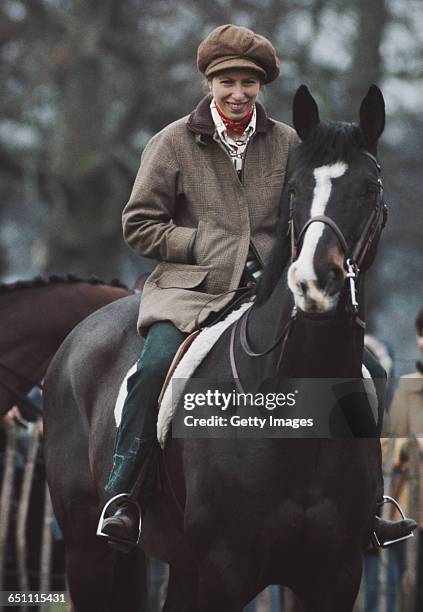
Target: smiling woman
[
  {"x": 234, "y": 93},
  {"x": 205, "y": 204}
]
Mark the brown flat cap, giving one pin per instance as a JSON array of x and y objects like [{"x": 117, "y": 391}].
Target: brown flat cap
[{"x": 231, "y": 46}]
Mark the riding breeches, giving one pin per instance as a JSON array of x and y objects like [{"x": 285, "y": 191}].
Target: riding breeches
[{"x": 136, "y": 437}]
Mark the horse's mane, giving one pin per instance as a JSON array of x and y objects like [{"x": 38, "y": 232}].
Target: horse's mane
[
  {"x": 54, "y": 279},
  {"x": 330, "y": 142}
]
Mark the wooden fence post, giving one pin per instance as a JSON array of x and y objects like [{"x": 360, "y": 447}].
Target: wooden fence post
[
  {"x": 409, "y": 578},
  {"x": 23, "y": 506},
  {"x": 6, "y": 494},
  {"x": 388, "y": 473},
  {"x": 46, "y": 544}
]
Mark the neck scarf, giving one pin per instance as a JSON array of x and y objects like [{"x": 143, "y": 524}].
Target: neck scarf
[{"x": 238, "y": 126}]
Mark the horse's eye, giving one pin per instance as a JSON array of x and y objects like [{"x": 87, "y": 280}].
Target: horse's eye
[{"x": 371, "y": 193}]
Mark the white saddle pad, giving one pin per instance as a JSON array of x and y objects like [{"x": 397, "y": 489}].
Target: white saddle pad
[
  {"x": 190, "y": 362},
  {"x": 184, "y": 370},
  {"x": 187, "y": 366}
]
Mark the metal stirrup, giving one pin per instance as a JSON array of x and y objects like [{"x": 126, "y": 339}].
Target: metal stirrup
[
  {"x": 387, "y": 499},
  {"x": 103, "y": 513}
]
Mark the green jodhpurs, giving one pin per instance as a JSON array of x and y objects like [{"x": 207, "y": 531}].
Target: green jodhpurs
[{"x": 136, "y": 437}]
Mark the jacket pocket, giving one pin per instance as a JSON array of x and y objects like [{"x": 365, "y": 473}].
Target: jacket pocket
[
  {"x": 181, "y": 277},
  {"x": 276, "y": 178},
  {"x": 201, "y": 238}
]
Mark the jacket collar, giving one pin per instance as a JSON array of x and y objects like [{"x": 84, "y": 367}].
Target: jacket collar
[{"x": 201, "y": 122}]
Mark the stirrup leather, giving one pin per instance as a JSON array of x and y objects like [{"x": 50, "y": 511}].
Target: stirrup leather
[
  {"x": 121, "y": 496},
  {"x": 387, "y": 499}
]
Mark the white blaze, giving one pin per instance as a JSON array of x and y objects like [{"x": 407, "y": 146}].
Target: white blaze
[
  {"x": 302, "y": 271},
  {"x": 321, "y": 195}
]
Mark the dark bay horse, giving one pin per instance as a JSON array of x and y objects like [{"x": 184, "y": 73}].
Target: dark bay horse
[
  {"x": 36, "y": 316},
  {"x": 235, "y": 515}
]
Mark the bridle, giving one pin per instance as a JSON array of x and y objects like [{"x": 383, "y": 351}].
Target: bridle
[
  {"x": 353, "y": 260},
  {"x": 353, "y": 257}
]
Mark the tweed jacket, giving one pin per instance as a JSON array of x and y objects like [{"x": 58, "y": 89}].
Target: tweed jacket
[{"x": 187, "y": 183}]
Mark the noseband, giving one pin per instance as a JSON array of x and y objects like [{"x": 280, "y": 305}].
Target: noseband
[{"x": 353, "y": 258}]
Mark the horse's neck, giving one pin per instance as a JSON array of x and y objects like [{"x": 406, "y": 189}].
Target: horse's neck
[
  {"x": 267, "y": 319},
  {"x": 38, "y": 319},
  {"x": 266, "y": 322},
  {"x": 329, "y": 347}
]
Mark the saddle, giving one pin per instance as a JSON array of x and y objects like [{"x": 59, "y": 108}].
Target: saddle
[
  {"x": 179, "y": 354},
  {"x": 190, "y": 354}
]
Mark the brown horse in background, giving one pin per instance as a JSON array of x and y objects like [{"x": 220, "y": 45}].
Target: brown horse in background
[{"x": 36, "y": 316}]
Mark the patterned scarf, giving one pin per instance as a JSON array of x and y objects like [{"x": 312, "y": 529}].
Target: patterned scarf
[{"x": 239, "y": 125}]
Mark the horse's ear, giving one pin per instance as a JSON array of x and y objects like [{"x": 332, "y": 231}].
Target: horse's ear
[
  {"x": 372, "y": 117},
  {"x": 305, "y": 112}
]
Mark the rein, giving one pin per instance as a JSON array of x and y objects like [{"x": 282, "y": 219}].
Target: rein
[
  {"x": 247, "y": 291},
  {"x": 242, "y": 322},
  {"x": 243, "y": 335}
]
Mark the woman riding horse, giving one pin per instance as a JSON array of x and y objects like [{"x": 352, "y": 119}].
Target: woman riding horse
[{"x": 205, "y": 204}]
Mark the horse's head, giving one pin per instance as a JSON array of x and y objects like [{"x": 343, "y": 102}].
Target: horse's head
[{"x": 335, "y": 200}]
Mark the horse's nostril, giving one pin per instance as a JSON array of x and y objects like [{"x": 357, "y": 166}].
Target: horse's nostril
[
  {"x": 303, "y": 287},
  {"x": 334, "y": 280}
]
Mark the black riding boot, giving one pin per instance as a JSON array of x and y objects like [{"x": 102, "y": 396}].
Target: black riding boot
[
  {"x": 132, "y": 480},
  {"x": 390, "y": 532},
  {"x": 123, "y": 528}
]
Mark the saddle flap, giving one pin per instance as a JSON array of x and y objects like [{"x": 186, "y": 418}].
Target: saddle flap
[{"x": 179, "y": 354}]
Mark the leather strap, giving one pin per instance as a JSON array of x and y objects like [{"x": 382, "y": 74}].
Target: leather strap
[
  {"x": 246, "y": 292},
  {"x": 246, "y": 344},
  {"x": 367, "y": 235},
  {"x": 242, "y": 323},
  {"x": 327, "y": 221},
  {"x": 234, "y": 369}
]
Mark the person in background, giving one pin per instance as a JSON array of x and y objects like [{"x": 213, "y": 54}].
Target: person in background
[
  {"x": 383, "y": 353},
  {"x": 406, "y": 421}
]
